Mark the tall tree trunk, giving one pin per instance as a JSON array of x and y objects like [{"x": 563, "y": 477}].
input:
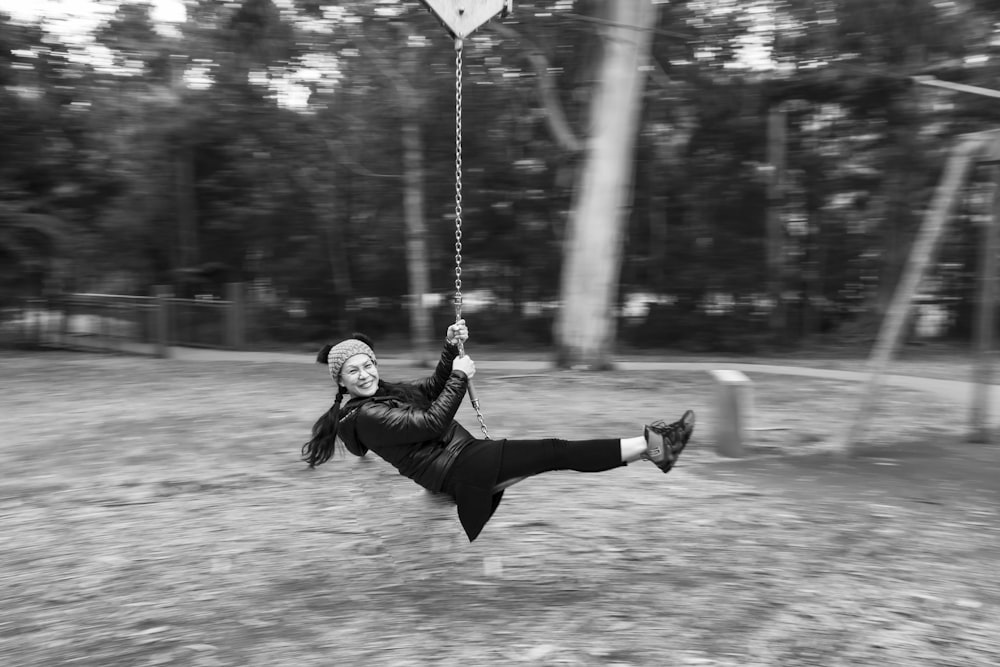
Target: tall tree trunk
[
  {"x": 776, "y": 150},
  {"x": 186, "y": 253},
  {"x": 187, "y": 225},
  {"x": 659, "y": 223},
  {"x": 337, "y": 240},
  {"x": 400, "y": 73},
  {"x": 900, "y": 185},
  {"x": 813, "y": 293},
  {"x": 585, "y": 327},
  {"x": 417, "y": 264}
]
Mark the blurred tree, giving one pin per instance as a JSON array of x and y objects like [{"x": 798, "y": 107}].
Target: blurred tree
[
  {"x": 585, "y": 327},
  {"x": 53, "y": 174},
  {"x": 860, "y": 58},
  {"x": 402, "y": 67},
  {"x": 307, "y": 148}
]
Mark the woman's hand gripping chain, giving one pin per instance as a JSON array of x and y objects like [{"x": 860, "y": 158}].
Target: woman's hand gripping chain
[{"x": 458, "y": 333}]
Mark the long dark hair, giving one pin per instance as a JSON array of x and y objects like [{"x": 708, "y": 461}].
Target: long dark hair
[
  {"x": 321, "y": 446},
  {"x": 324, "y": 439}
]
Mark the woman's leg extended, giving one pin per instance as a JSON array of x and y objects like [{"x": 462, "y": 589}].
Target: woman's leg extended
[
  {"x": 523, "y": 458},
  {"x": 661, "y": 443}
]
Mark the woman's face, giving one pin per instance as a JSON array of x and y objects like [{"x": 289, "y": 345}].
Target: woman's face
[{"x": 359, "y": 376}]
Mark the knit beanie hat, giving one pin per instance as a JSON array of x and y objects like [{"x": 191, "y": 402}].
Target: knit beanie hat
[{"x": 334, "y": 356}]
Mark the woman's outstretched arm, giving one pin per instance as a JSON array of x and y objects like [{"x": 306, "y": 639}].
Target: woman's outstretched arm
[{"x": 432, "y": 386}]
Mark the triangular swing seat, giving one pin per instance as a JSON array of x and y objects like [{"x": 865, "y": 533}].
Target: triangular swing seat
[{"x": 463, "y": 17}]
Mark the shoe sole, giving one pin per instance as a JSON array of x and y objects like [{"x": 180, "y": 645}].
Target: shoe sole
[{"x": 687, "y": 422}]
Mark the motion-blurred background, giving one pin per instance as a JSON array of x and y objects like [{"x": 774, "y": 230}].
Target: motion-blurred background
[{"x": 710, "y": 176}]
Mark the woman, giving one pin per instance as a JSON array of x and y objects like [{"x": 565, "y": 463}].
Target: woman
[{"x": 413, "y": 427}]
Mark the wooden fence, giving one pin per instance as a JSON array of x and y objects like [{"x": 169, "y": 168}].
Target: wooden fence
[{"x": 135, "y": 324}]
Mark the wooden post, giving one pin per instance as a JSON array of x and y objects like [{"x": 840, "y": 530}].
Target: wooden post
[
  {"x": 733, "y": 405},
  {"x": 921, "y": 256},
  {"x": 982, "y": 369},
  {"x": 161, "y": 330},
  {"x": 65, "y": 312},
  {"x": 235, "y": 316},
  {"x": 104, "y": 315}
]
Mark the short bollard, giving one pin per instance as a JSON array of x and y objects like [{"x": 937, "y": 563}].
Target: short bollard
[{"x": 733, "y": 405}]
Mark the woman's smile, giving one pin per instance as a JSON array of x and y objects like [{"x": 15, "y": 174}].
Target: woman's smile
[{"x": 359, "y": 375}]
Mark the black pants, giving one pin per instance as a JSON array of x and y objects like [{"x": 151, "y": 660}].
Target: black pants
[
  {"x": 485, "y": 464},
  {"x": 523, "y": 458}
]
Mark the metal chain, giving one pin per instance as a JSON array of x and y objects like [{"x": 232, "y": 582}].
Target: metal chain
[
  {"x": 458, "y": 220},
  {"x": 458, "y": 180}
]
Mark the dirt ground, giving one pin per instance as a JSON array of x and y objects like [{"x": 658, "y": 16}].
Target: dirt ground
[{"x": 155, "y": 513}]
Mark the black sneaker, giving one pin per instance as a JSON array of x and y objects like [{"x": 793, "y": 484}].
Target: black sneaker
[{"x": 665, "y": 442}]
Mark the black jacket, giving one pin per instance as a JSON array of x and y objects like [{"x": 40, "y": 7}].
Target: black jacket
[{"x": 421, "y": 443}]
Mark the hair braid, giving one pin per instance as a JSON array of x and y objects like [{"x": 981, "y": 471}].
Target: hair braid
[{"x": 321, "y": 446}]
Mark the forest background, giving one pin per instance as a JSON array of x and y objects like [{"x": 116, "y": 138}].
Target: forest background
[{"x": 774, "y": 161}]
